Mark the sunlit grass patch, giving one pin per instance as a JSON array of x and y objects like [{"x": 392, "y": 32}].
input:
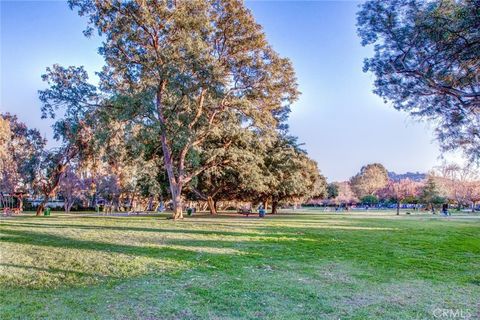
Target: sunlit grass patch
[
  {"x": 53, "y": 267},
  {"x": 304, "y": 266}
]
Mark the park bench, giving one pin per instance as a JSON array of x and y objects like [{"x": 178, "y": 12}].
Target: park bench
[
  {"x": 9, "y": 211},
  {"x": 6, "y": 211},
  {"x": 245, "y": 211}
]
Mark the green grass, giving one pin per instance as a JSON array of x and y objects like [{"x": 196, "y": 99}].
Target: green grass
[{"x": 309, "y": 265}]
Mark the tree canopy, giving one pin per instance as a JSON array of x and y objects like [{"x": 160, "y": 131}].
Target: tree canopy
[
  {"x": 20, "y": 152},
  {"x": 427, "y": 62},
  {"x": 369, "y": 180},
  {"x": 193, "y": 65}
]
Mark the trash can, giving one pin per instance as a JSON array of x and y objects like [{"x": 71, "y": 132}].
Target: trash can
[
  {"x": 261, "y": 213},
  {"x": 47, "y": 212},
  {"x": 189, "y": 211}
]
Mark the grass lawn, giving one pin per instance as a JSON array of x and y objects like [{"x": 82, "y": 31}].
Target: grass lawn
[{"x": 307, "y": 265}]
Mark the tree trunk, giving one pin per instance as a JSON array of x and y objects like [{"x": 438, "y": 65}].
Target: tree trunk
[
  {"x": 177, "y": 203},
  {"x": 133, "y": 205},
  {"x": 116, "y": 204},
  {"x": 211, "y": 205},
  {"x": 176, "y": 191},
  {"x": 175, "y": 183},
  {"x": 265, "y": 205},
  {"x": 70, "y": 205},
  {"x": 398, "y": 208},
  {"x": 51, "y": 187},
  {"x": 65, "y": 206},
  {"x": 20, "y": 203},
  {"x": 93, "y": 201},
  {"x": 274, "y": 206},
  {"x": 41, "y": 206},
  {"x": 177, "y": 212},
  {"x": 150, "y": 203}
]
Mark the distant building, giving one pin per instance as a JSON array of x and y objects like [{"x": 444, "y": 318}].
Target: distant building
[
  {"x": 50, "y": 204},
  {"x": 415, "y": 176}
]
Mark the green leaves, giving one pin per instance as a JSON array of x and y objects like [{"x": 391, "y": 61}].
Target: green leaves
[
  {"x": 21, "y": 150},
  {"x": 69, "y": 90},
  {"x": 427, "y": 62},
  {"x": 371, "y": 178},
  {"x": 188, "y": 71},
  {"x": 190, "y": 88},
  {"x": 291, "y": 174}
]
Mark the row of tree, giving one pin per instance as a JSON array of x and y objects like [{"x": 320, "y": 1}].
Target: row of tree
[
  {"x": 446, "y": 184},
  {"x": 192, "y": 104},
  {"x": 126, "y": 174},
  {"x": 116, "y": 168}
]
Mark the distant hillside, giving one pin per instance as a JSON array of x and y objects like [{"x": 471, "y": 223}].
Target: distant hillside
[{"x": 415, "y": 176}]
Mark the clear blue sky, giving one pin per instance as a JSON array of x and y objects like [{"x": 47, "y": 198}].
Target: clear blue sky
[{"x": 343, "y": 124}]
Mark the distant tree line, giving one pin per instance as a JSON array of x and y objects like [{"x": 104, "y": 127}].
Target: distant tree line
[
  {"x": 192, "y": 105},
  {"x": 448, "y": 184}
]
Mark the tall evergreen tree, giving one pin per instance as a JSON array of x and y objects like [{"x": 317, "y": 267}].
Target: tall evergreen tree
[{"x": 430, "y": 194}]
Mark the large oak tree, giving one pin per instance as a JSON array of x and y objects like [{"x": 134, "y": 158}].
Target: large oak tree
[{"x": 193, "y": 61}]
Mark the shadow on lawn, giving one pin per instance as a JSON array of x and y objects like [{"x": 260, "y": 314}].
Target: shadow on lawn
[
  {"x": 50, "y": 270},
  {"x": 171, "y": 251},
  {"x": 50, "y": 240},
  {"x": 260, "y": 248},
  {"x": 390, "y": 252},
  {"x": 303, "y": 228},
  {"x": 154, "y": 230}
]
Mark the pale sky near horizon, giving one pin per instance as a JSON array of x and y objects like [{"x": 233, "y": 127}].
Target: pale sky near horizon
[{"x": 342, "y": 123}]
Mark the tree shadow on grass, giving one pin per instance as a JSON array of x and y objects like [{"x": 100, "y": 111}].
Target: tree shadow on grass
[
  {"x": 56, "y": 241},
  {"x": 188, "y": 253},
  {"x": 256, "y": 246},
  {"x": 251, "y": 229},
  {"x": 154, "y": 230},
  {"x": 50, "y": 270},
  {"x": 181, "y": 258},
  {"x": 375, "y": 248}
]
